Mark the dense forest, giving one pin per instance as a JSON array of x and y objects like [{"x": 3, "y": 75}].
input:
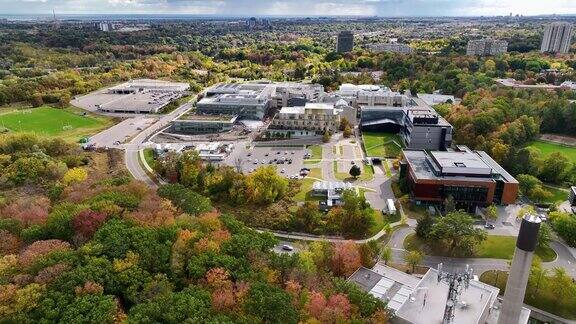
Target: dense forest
[{"x": 82, "y": 242}]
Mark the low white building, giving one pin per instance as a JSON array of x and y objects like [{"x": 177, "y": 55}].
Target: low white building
[{"x": 371, "y": 95}]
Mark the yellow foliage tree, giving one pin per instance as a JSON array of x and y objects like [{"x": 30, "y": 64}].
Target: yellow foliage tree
[{"x": 75, "y": 175}]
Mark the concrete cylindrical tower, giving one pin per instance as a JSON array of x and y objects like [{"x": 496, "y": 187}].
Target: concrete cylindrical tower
[{"x": 520, "y": 270}]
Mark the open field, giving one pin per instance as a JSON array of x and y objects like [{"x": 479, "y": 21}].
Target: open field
[
  {"x": 494, "y": 247},
  {"x": 382, "y": 144},
  {"x": 547, "y": 148},
  {"x": 66, "y": 123},
  {"x": 544, "y": 297}
]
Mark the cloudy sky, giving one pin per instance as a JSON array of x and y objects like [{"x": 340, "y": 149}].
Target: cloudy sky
[{"x": 293, "y": 7}]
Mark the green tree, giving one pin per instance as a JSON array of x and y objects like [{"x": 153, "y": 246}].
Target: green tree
[
  {"x": 492, "y": 213},
  {"x": 270, "y": 304},
  {"x": 326, "y": 137},
  {"x": 355, "y": 171},
  {"x": 449, "y": 204},
  {"x": 544, "y": 236},
  {"x": 347, "y": 132},
  {"x": 424, "y": 226},
  {"x": 357, "y": 216},
  {"x": 538, "y": 276},
  {"x": 413, "y": 258},
  {"x": 386, "y": 254},
  {"x": 266, "y": 186},
  {"x": 561, "y": 283},
  {"x": 555, "y": 167},
  {"x": 457, "y": 231}
]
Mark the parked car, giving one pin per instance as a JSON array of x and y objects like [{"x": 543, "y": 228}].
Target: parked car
[
  {"x": 489, "y": 226},
  {"x": 287, "y": 247},
  {"x": 283, "y": 171}
]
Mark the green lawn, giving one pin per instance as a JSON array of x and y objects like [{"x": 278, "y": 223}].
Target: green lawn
[
  {"x": 494, "y": 247},
  {"x": 547, "y": 148},
  {"x": 382, "y": 144},
  {"x": 377, "y": 224},
  {"x": 305, "y": 192},
  {"x": 316, "y": 151},
  {"x": 316, "y": 173},
  {"x": 387, "y": 168},
  {"x": 149, "y": 157},
  {"x": 544, "y": 298},
  {"x": 366, "y": 175},
  {"x": 557, "y": 195},
  {"x": 47, "y": 121}
]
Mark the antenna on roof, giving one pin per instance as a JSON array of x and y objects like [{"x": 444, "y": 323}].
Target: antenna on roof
[{"x": 54, "y": 14}]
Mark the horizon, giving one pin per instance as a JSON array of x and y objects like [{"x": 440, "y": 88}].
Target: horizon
[{"x": 294, "y": 8}]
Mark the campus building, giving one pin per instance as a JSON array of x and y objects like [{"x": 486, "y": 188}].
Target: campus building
[
  {"x": 194, "y": 124},
  {"x": 371, "y": 95},
  {"x": 331, "y": 192},
  {"x": 310, "y": 120},
  {"x": 414, "y": 300},
  {"x": 246, "y": 100},
  {"x": 345, "y": 42},
  {"x": 485, "y": 47},
  {"x": 420, "y": 127},
  {"x": 390, "y": 47},
  {"x": 142, "y": 96},
  {"x": 471, "y": 178},
  {"x": 557, "y": 38},
  {"x": 290, "y": 94}
]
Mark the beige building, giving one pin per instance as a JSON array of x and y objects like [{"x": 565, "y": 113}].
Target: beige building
[{"x": 309, "y": 120}]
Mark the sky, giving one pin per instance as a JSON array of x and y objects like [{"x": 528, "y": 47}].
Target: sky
[{"x": 385, "y": 8}]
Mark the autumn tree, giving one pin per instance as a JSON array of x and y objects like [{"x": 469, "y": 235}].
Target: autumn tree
[{"x": 346, "y": 258}]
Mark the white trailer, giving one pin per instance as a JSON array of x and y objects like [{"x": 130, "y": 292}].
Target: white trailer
[{"x": 391, "y": 207}]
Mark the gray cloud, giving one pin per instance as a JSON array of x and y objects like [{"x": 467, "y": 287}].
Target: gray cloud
[{"x": 293, "y": 7}]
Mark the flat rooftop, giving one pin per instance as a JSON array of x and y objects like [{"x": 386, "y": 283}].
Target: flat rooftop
[
  {"x": 149, "y": 84},
  {"x": 428, "y": 301},
  {"x": 455, "y": 165},
  {"x": 208, "y": 118},
  {"x": 147, "y": 101}
]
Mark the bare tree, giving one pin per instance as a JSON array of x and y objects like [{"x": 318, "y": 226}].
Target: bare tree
[{"x": 238, "y": 164}]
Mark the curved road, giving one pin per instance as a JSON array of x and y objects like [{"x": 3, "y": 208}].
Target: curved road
[
  {"x": 564, "y": 260},
  {"x": 132, "y": 149}
]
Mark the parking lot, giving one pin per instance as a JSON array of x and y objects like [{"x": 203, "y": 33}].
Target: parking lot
[{"x": 287, "y": 160}]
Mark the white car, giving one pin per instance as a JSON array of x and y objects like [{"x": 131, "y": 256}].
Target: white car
[
  {"x": 255, "y": 161},
  {"x": 287, "y": 247},
  {"x": 283, "y": 171}
]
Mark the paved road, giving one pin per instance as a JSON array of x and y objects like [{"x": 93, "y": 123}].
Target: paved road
[
  {"x": 565, "y": 259},
  {"x": 132, "y": 149}
]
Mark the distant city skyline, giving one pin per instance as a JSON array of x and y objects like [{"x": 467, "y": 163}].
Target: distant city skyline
[{"x": 385, "y": 8}]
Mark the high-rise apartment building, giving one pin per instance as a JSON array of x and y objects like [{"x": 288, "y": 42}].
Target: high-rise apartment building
[
  {"x": 484, "y": 47},
  {"x": 345, "y": 42},
  {"x": 557, "y": 38}
]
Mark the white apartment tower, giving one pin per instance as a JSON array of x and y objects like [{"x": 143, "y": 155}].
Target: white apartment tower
[{"x": 557, "y": 38}]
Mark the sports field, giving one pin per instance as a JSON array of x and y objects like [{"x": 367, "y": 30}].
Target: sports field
[
  {"x": 548, "y": 148},
  {"x": 53, "y": 122},
  {"x": 382, "y": 144}
]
